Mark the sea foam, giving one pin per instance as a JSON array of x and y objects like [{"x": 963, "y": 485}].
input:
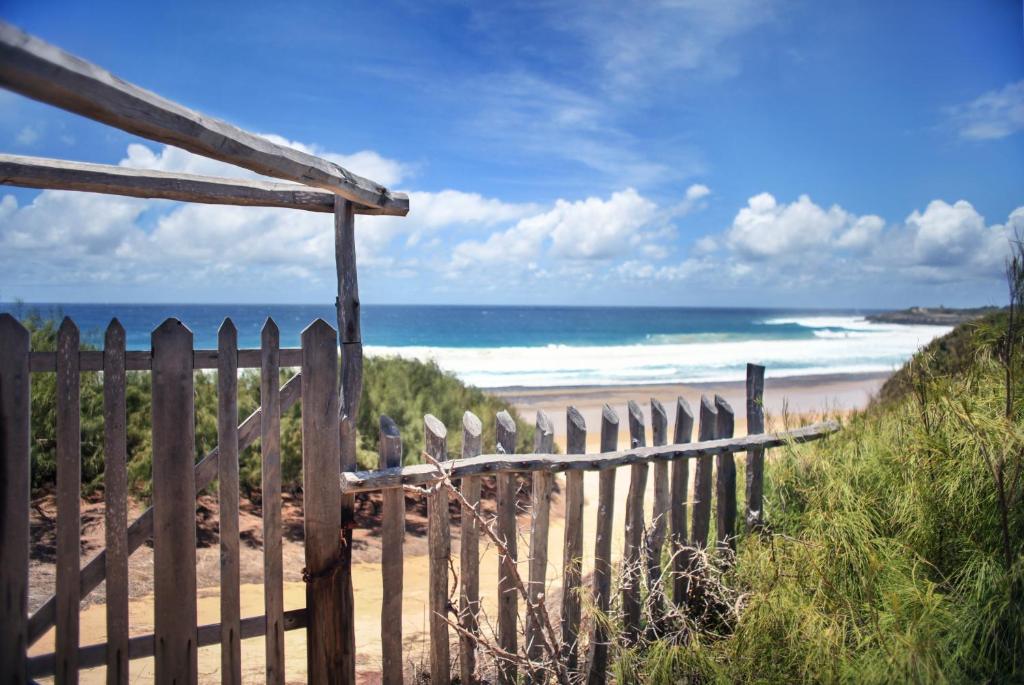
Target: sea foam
[{"x": 833, "y": 345}]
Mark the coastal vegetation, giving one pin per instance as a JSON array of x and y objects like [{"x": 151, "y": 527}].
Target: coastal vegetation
[
  {"x": 403, "y": 389},
  {"x": 895, "y": 549}
]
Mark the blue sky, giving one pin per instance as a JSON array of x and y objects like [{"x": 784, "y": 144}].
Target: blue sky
[{"x": 865, "y": 154}]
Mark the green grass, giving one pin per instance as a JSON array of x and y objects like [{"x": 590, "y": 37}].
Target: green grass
[{"x": 885, "y": 557}]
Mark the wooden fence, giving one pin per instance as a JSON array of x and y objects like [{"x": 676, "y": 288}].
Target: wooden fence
[{"x": 177, "y": 478}]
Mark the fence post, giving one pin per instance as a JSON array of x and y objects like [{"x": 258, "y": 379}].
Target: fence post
[
  {"x": 392, "y": 535},
  {"x": 659, "y": 518},
  {"x": 439, "y": 549},
  {"x": 543, "y": 443},
  {"x": 174, "y": 505},
  {"x": 701, "y": 523},
  {"x": 469, "y": 552},
  {"x": 15, "y": 460},
  {"x": 597, "y": 661},
  {"x": 227, "y": 497},
  {"x": 349, "y": 333},
  {"x": 325, "y": 652},
  {"x": 726, "y": 480},
  {"x": 572, "y": 564},
  {"x": 755, "y": 458},
  {"x": 508, "y": 598},
  {"x": 631, "y": 562},
  {"x": 680, "y": 494},
  {"x": 69, "y": 488},
  {"x": 270, "y": 487},
  {"x": 115, "y": 502}
]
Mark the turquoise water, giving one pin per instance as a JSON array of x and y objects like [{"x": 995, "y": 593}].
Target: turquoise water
[{"x": 546, "y": 346}]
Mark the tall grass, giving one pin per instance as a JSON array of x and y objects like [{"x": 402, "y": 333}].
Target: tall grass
[{"x": 885, "y": 558}]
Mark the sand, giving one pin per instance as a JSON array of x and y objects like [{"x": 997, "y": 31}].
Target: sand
[{"x": 797, "y": 396}]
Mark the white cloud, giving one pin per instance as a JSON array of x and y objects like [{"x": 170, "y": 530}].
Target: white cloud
[
  {"x": 27, "y": 135},
  {"x": 955, "y": 235},
  {"x": 801, "y": 245},
  {"x": 766, "y": 229},
  {"x": 991, "y": 116},
  {"x": 593, "y": 228},
  {"x": 638, "y": 42}
]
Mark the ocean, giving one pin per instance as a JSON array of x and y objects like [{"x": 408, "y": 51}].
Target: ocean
[{"x": 513, "y": 346}]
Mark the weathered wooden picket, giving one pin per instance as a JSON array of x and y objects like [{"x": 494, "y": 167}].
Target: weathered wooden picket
[{"x": 329, "y": 387}]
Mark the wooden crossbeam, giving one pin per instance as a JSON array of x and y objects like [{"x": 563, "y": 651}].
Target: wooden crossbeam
[
  {"x": 418, "y": 474},
  {"x": 58, "y": 174},
  {"x": 44, "y": 72},
  {"x": 95, "y": 571},
  {"x": 142, "y": 360},
  {"x": 142, "y": 646}
]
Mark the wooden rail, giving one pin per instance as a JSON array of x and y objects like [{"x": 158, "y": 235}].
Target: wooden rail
[
  {"x": 59, "y": 174},
  {"x": 420, "y": 474},
  {"x": 142, "y": 360},
  {"x": 44, "y": 72}
]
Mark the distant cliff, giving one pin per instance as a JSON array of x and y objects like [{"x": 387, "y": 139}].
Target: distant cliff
[{"x": 932, "y": 316}]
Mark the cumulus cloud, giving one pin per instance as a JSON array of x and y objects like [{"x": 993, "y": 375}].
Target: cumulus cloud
[
  {"x": 803, "y": 244},
  {"x": 992, "y": 115},
  {"x": 594, "y": 228},
  {"x": 766, "y": 229}
]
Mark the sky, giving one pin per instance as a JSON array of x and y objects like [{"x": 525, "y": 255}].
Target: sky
[{"x": 685, "y": 152}]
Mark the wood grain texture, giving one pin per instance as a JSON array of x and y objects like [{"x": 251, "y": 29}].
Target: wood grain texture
[
  {"x": 572, "y": 551},
  {"x": 540, "y": 520},
  {"x": 142, "y": 646},
  {"x": 700, "y": 526},
  {"x": 632, "y": 575},
  {"x": 469, "y": 553},
  {"x": 725, "y": 483},
  {"x": 69, "y": 487},
  {"x": 350, "y": 340},
  {"x": 141, "y": 529},
  {"x": 755, "y": 457},
  {"x": 418, "y": 474},
  {"x": 115, "y": 500},
  {"x": 174, "y": 505},
  {"x": 682, "y": 434},
  {"x": 15, "y": 461},
  {"x": 270, "y": 488},
  {"x": 59, "y": 174},
  {"x": 597, "y": 658},
  {"x": 227, "y": 497},
  {"x": 43, "y": 72},
  {"x": 392, "y": 536},
  {"x": 439, "y": 549},
  {"x": 508, "y": 597},
  {"x": 325, "y": 654},
  {"x": 662, "y": 502}
]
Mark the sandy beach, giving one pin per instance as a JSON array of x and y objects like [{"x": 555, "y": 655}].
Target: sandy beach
[
  {"x": 799, "y": 395},
  {"x": 803, "y": 396}
]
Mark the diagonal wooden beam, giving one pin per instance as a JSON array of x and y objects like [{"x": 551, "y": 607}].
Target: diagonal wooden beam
[
  {"x": 418, "y": 474},
  {"x": 94, "y": 572},
  {"x": 59, "y": 174},
  {"x": 44, "y": 72}
]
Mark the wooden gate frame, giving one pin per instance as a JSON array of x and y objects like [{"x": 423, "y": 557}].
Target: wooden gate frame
[{"x": 43, "y": 72}]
